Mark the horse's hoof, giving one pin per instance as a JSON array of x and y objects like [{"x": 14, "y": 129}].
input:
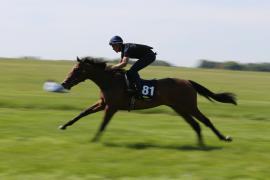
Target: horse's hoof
[
  {"x": 95, "y": 139},
  {"x": 201, "y": 143},
  {"x": 228, "y": 139},
  {"x": 62, "y": 127}
]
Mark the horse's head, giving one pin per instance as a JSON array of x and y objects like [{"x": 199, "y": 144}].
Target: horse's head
[{"x": 86, "y": 67}]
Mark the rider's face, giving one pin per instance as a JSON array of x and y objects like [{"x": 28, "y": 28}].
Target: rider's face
[{"x": 116, "y": 47}]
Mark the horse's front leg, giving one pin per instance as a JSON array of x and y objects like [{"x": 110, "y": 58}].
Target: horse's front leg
[
  {"x": 109, "y": 112},
  {"x": 94, "y": 108}
]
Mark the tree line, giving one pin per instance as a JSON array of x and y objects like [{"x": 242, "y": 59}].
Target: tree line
[{"x": 232, "y": 65}]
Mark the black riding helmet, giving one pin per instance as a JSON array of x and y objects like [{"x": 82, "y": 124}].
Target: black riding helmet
[{"x": 116, "y": 40}]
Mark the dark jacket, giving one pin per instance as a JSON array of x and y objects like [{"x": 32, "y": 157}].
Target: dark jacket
[{"x": 136, "y": 51}]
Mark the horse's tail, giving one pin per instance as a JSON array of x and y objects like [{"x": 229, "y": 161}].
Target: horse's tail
[{"x": 225, "y": 97}]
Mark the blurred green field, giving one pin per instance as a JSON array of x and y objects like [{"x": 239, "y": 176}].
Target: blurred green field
[{"x": 147, "y": 144}]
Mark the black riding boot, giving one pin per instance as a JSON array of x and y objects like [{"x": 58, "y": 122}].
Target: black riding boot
[
  {"x": 134, "y": 84},
  {"x": 138, "y": 86},
  {"x": 131, "y": 83}
]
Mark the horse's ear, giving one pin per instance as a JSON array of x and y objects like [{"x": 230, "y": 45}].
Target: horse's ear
[{"x": 78, "y": 59}]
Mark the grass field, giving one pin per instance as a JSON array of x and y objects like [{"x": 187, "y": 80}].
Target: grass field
[{"x": 149, "y": 144}]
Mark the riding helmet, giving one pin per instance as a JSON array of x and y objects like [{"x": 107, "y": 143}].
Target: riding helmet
[{"x": 116, "y": 40}]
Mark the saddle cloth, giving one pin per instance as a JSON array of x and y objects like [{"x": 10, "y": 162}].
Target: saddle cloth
[{"x": 148, "y": 87}]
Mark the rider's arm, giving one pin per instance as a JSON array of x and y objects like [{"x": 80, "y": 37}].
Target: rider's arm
[{"x": 122, "y": 63}]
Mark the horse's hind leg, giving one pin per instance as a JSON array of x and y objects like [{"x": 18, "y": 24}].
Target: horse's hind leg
[
  {"x": 94, "y": 108},
  {"x": 208, "y": 123},
  {"x": 195, "y": 125}
]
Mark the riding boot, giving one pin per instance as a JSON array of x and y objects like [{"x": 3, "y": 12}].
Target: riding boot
[
  {"x": 135, "y": 86},
  {"x": 131, "y": 88},
  {"x": 138, "y": 85}
]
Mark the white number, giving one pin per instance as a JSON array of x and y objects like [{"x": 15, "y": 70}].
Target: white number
[
  {"x": 152, "y": 91},
  {"x": 145, "y": 90}
]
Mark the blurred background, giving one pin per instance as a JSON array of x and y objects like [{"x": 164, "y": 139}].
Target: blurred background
[{"x": 182, "y": 32}]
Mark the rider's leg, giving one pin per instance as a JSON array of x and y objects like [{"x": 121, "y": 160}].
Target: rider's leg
[
  {"x": 131, "y": 83},
  {"x": 133, "y": 78},
  {"x": 137, "y": 66}
]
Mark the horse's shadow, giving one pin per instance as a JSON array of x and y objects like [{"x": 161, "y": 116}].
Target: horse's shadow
[{"x": 143, "y": 146}]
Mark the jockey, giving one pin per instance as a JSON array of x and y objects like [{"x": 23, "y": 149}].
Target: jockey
[{"x": 143, "y": 53}]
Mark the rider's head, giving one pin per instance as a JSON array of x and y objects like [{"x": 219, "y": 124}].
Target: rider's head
[{"x": 116, "y": 42}]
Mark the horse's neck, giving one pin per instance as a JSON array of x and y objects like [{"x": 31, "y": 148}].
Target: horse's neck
[
  {"x": 107, "y": 80},
  {"x": 102, "y": 80}
]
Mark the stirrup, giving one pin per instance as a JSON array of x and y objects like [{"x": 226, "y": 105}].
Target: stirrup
[
  {"x": 139, "y": 96},
  {"x": 131, "y": 90},
  {"x": 132, "y": 103}
]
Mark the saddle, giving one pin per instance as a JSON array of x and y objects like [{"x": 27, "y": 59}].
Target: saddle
[{"x": 146, "y": 92}]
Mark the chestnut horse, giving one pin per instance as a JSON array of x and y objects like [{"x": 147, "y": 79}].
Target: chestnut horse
[{"x": 180, "y": 95}]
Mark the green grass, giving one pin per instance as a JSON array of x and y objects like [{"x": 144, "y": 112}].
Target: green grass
[{"x": 147, "y": 144}]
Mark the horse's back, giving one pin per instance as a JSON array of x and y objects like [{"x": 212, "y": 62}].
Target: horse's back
[
  {"x": 174, "y": 83},
  {"x": 175, "y": 90}
]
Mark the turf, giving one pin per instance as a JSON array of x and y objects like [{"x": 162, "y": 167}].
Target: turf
[{"x": 147, "y": 144}]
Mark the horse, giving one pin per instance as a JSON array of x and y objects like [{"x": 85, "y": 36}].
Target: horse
[{"x": 178, "y": 94}]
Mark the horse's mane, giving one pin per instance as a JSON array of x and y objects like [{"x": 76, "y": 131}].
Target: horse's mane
[
  {"x": 92, "y": 60},
  {"x": 100, "y": 62}
]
